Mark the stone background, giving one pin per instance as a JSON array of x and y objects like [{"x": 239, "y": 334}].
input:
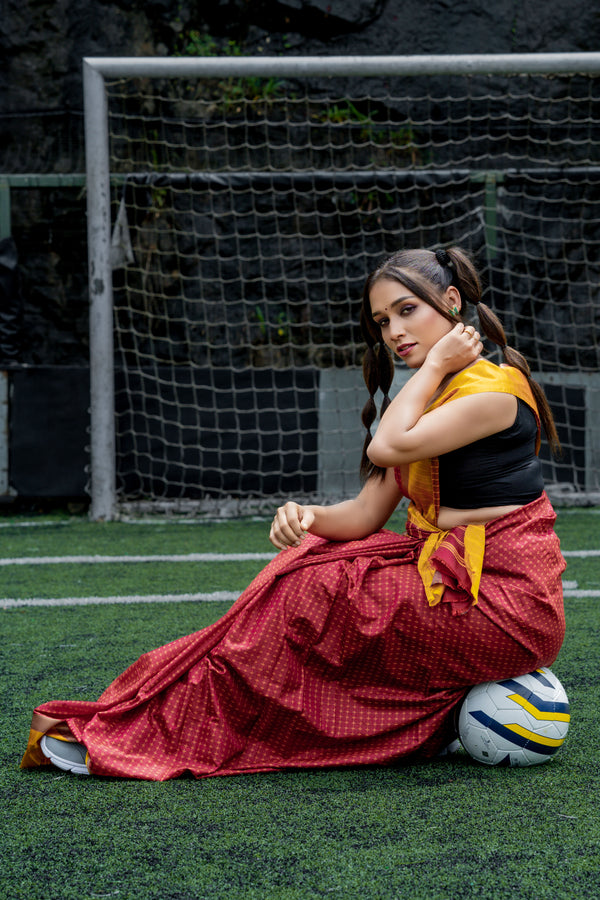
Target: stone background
[
  {"x": 41, "y": 47},
  {"x": 42, "y": 43}
]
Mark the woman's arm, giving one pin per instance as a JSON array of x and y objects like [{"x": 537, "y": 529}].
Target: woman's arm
[
  {"x": 406, "y": 433},
  {"x": 453, "y": 425},
  {"x": 347, "y": 521}
]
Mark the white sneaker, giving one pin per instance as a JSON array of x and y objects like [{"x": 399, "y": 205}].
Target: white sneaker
[
  {"x": 452, "y": 748},
  {"x": 66, "y": 755}
]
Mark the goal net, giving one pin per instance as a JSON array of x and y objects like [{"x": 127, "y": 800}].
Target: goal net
[{"x": 247, "y": 208}]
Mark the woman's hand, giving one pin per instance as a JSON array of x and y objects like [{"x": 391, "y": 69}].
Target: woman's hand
[
  {"x": 290, "y": 525},
  {"x": 456, "y": 350}
]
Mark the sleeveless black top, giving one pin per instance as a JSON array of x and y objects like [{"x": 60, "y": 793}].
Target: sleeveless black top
[{"x": 499, "y": 470}]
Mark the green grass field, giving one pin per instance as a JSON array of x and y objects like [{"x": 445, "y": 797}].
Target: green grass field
[{"x": 438, "y": 831}]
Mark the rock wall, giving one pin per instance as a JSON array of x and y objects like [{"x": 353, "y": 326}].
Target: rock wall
[{"x": 42, "y": 43}]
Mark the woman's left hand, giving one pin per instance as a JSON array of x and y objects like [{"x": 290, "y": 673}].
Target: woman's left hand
[
  {"x": 457, "y": 349},
  {"x": 290, "y": 525}
]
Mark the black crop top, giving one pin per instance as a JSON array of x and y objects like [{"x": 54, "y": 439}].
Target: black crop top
[{"x": 499, "y": 470}]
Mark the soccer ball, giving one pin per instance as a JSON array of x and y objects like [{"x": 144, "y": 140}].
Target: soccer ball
[{"x": 521, "y": 721}]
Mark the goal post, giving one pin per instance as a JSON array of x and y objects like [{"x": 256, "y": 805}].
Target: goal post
[
  {"x": 102, "y": 426},
  {"x": 235, "y": 205}
]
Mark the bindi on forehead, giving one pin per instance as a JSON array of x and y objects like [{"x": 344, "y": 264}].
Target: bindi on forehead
[{"x": 391, "y": 305}]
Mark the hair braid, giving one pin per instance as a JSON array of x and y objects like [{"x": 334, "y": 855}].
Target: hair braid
[
  {"x": 378, "y": 373},
  {"x": 465, "y": 278}
]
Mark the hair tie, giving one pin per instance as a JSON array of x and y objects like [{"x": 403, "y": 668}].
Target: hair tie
[
  {"x": 442, "y": 257},
  {"x": 444, "y": 260}
]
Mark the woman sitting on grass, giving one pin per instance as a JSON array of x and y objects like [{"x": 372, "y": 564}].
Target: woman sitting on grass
[{"x": 357, "y": 645}]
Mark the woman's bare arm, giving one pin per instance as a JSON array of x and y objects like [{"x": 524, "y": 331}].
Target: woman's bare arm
[
  {"x": 407, "y": 433},
  {"x": 453, "y": 425},
  {"x": 346, "y": 521}
]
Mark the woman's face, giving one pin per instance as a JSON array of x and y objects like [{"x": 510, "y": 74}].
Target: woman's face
[{"x": 409, "y": 325}]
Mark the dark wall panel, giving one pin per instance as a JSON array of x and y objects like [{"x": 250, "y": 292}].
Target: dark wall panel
[{"x": 49, "y": 421}]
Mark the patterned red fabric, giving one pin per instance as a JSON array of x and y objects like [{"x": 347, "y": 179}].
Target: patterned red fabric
[{"x": 332, "y": 656}]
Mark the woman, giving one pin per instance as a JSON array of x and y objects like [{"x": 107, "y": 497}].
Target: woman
[{"x": 357, "y": 645}]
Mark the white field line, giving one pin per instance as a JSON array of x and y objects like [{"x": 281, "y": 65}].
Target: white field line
[
  {"x": 214, "y": 597},
  {"x": 154, "y": 557},
  {"x": 580, "y": 554},
  {"x": 570, "y": 589},
  {"x": 183, "y": 557},
  {"x": 31, "y": 524},
  {"x": 126, "y": 520}
]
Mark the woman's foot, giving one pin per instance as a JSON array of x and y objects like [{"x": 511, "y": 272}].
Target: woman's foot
[{"x": 66, "y": 755}]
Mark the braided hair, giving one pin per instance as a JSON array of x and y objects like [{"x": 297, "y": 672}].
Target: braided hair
[{"x": 428, "y": 275}]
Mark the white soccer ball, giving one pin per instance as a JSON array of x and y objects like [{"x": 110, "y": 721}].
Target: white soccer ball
[{"x": 520, "y": 721}]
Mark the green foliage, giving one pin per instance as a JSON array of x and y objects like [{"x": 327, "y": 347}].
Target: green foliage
[
  {"x": 233, "y": 92},
  {"x": 275, "y": 331},
  {"x": 344, "y": 113},
  {"x": 394, "y": 141},
  {"x": 237, "y": 91},
  {"x": 197, "y": 43}
]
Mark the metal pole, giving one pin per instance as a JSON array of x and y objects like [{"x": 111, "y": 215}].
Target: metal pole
[
  {"x": 5, "y": 215},
  {"x": 302, "y": 66},
  {"x": 102, "y": 443}
]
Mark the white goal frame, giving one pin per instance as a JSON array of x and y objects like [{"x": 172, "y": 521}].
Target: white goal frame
[{"x": 95, "y": 73}]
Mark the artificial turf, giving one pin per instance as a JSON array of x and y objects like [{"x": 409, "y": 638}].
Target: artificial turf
[{"x": 444, "y": 829}]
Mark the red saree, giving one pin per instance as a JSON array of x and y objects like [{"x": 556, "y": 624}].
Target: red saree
[{"x": 336, "y": 654}]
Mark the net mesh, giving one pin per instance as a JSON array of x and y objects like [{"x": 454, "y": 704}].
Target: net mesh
[{"x": 247, "y": 214}]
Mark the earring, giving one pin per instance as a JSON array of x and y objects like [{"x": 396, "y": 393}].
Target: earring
[{"x": 454, "y": 311}]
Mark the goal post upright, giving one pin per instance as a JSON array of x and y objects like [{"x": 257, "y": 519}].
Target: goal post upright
[{"x": 102, "y": 424}]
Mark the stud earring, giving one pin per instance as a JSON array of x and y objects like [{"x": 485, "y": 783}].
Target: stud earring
[{"x": 454, "y": 311}]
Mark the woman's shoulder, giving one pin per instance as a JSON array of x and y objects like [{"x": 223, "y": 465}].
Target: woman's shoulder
[{"x": 485, "y": 376}]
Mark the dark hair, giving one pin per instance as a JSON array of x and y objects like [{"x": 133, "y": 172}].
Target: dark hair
[{"x": 428, "y": 276}]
